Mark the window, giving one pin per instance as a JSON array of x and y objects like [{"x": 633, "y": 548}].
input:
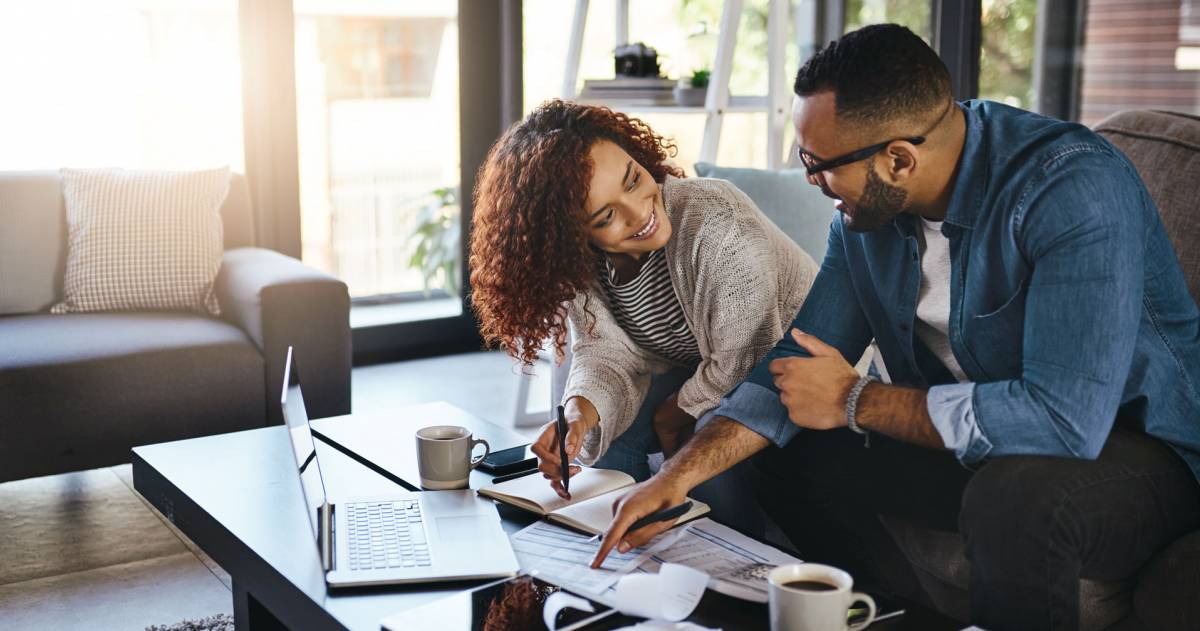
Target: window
[
  {"x": 915, "y": 14},
  {"x": 1006, "y": 58},
  {"x": 377, "y": 97},
  {"x": 131, "y": 83}
]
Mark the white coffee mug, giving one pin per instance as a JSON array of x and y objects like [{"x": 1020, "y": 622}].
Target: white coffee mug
[
  {"x": 444, "y": 456},
  {"x": 814, "y": 597}
]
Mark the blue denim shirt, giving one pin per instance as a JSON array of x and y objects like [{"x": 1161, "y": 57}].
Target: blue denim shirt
[{"x": 1068, "y": 308}]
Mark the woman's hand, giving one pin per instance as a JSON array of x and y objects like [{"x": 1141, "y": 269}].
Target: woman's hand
[
  {"x": 672, "y": 425},
  {"x": 581, "y": 419}
]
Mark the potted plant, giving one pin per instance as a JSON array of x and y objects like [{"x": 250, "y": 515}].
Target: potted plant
[
  {"x": 691, "y": 91},
  {"x": 434, "y": 242}
]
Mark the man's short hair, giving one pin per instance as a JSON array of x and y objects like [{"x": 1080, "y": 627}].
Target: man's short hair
[{"x": 878, "y": 74}]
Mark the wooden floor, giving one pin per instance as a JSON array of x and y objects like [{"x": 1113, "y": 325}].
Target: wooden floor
[{"x": 83, "y": 551}]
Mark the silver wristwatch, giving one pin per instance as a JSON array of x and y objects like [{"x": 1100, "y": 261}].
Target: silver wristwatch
[{"x": 852, "y": 402}]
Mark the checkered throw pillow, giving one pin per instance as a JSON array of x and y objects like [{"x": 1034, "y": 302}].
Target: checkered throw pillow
[{"x": 142, "y": 240}]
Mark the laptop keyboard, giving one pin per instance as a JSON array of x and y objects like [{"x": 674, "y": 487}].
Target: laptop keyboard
[{"x": 386, "y": 535}]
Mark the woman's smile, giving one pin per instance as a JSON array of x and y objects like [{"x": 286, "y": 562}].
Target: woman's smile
[{"x": 649, "y": 228}]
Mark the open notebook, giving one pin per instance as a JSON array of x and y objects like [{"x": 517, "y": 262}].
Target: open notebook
[{"x": 593, "y": 492}]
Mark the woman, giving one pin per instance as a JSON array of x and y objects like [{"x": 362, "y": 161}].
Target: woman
[{"x": 674, "y": 287}]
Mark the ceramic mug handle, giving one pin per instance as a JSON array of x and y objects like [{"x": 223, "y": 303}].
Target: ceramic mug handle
[
  {"x": 857, "y": 597},
  {"x": 487, "y": 449}
]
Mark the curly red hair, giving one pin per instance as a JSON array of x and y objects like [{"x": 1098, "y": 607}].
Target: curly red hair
[{"x": 530, "y": 253}]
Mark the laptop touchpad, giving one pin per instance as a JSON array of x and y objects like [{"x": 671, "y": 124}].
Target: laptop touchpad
[{"x": 466, "y": 528}]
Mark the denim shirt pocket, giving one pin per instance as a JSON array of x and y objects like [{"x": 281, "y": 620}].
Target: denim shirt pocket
[{"x": 995, "y": 338}]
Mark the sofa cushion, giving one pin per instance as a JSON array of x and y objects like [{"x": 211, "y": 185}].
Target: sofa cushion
[
  {"x": 1165, "y": 149},
  {"x": 33, "y": 236},
  {"x": 142, "y": 240},
  {"x": 79, "y": 389},
  {"x": 786, "y": 197},
  {"x": 33, "y": 241}
]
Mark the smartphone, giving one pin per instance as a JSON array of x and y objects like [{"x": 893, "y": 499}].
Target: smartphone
[{"x": 507, "y": 461}]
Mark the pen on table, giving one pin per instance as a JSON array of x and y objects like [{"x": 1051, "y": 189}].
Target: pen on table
[
  {"x": 561, "y": 427},
  {"x": 656, "y": 516},
  {"x": 513, "y": 476}
]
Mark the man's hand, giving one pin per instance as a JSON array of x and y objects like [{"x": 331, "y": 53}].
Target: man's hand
[
  {"x": 546, "y": 445},
  {"x": 652, "y": 495},
  {"x": 814, "y": 389},
  {"x": 672, "y": 425}
]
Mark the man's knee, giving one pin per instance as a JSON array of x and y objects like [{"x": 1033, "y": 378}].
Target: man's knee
[{"x": 1012, "y": 503}]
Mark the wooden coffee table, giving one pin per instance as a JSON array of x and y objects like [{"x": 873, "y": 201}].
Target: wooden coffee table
[{"x": 235, "y": 496}]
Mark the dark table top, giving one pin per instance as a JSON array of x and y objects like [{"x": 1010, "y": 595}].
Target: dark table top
[{"x": 237, "y": 497}]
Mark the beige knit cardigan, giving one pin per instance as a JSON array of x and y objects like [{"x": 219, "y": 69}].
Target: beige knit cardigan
[{"x": 740, "y": 281}]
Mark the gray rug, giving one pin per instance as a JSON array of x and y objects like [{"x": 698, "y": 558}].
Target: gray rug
[{"x": 219, "y": 622}]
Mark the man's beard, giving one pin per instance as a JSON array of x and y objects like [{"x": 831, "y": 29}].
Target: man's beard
[{"x": 879, "y": 202}]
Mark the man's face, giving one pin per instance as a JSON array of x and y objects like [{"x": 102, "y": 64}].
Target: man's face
[{"x": 865, "y": 199}]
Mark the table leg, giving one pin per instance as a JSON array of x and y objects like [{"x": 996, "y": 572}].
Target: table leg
[{"x": 251, "y": 615}]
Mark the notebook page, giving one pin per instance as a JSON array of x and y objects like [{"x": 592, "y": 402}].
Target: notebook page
[
  {"x": 595, "y": 514},
  {"x": 534, "y": 489}
]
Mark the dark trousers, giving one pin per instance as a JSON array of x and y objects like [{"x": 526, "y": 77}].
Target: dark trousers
[{"x": 1032, "y": 525}]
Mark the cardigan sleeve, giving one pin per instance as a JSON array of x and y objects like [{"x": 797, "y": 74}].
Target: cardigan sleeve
[
  {"x": 608, "y": 369},
  {"x": 736, "y": 286}
]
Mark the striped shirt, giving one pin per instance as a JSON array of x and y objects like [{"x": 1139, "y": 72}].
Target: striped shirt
[{"x": 647, "y": 309}]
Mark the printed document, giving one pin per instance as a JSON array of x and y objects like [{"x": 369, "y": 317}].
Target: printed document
[
  {"x": 563, "y": 557},
  {"x": 736, "y": 564}
]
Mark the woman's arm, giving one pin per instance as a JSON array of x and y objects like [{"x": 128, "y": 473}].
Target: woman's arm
[
  {"x": 608, "y": 370},
  {"x": 737, "y": 270}
]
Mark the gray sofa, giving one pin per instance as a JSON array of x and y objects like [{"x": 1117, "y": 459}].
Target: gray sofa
[
  {"x": 1165, "y": 594},
  {"x": 78, "y": 391}
]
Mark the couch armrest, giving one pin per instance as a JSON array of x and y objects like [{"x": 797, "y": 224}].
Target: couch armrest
[{"x": 279, "y": 301}]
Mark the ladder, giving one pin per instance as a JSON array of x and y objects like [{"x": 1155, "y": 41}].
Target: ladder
[{"x": 718, "y": 101}]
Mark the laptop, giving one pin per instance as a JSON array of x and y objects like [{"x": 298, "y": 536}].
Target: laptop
[{"x": 404, "y": 537}]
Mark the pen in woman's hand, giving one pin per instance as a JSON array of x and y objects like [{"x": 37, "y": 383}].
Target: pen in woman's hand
[{"x": 561, "y": 427}]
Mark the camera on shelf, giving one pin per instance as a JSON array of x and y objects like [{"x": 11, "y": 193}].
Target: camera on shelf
[{"x": 636, "y": 60}]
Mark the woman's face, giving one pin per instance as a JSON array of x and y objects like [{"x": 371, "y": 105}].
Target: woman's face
[{"x": 624, "y": 205}]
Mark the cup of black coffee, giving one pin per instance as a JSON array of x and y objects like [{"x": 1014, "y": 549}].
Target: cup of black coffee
[
  {"x": 814, "y": 597},
  {"x": 810, "y": 586}
]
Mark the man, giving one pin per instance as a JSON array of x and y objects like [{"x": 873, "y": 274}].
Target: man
[{"x": 1033, "y": 320}]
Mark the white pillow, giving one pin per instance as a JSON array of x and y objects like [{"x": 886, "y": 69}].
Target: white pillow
[{"x": 142, "y": 240}]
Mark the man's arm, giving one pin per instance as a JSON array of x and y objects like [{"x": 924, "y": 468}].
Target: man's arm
[
  {"x": 815, "y": 389},
  {"x": 715, "y": 448},
  {"x": 901, "y": 413},
  {"x": 718, "y": 446},
  {"x": 1084, "y": 231}
]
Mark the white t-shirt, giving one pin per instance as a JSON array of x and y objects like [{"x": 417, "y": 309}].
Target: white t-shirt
[{"x": 933, "y": 300}]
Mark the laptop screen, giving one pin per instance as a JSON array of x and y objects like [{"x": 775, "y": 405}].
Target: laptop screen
[{"x": 303, "y": 448}]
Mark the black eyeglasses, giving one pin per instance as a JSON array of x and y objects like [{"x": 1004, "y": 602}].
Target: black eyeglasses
[{"x": 814, "y": 166}]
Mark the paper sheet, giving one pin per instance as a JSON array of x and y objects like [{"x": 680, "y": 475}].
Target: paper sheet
[
  {"x": 666, "y": 598},
  {"x": 562, "y": 557},
  {"x": 557, "y": 602},
  {"x": 736, "y": 564},
  {"x": 672, "y": 594}
]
